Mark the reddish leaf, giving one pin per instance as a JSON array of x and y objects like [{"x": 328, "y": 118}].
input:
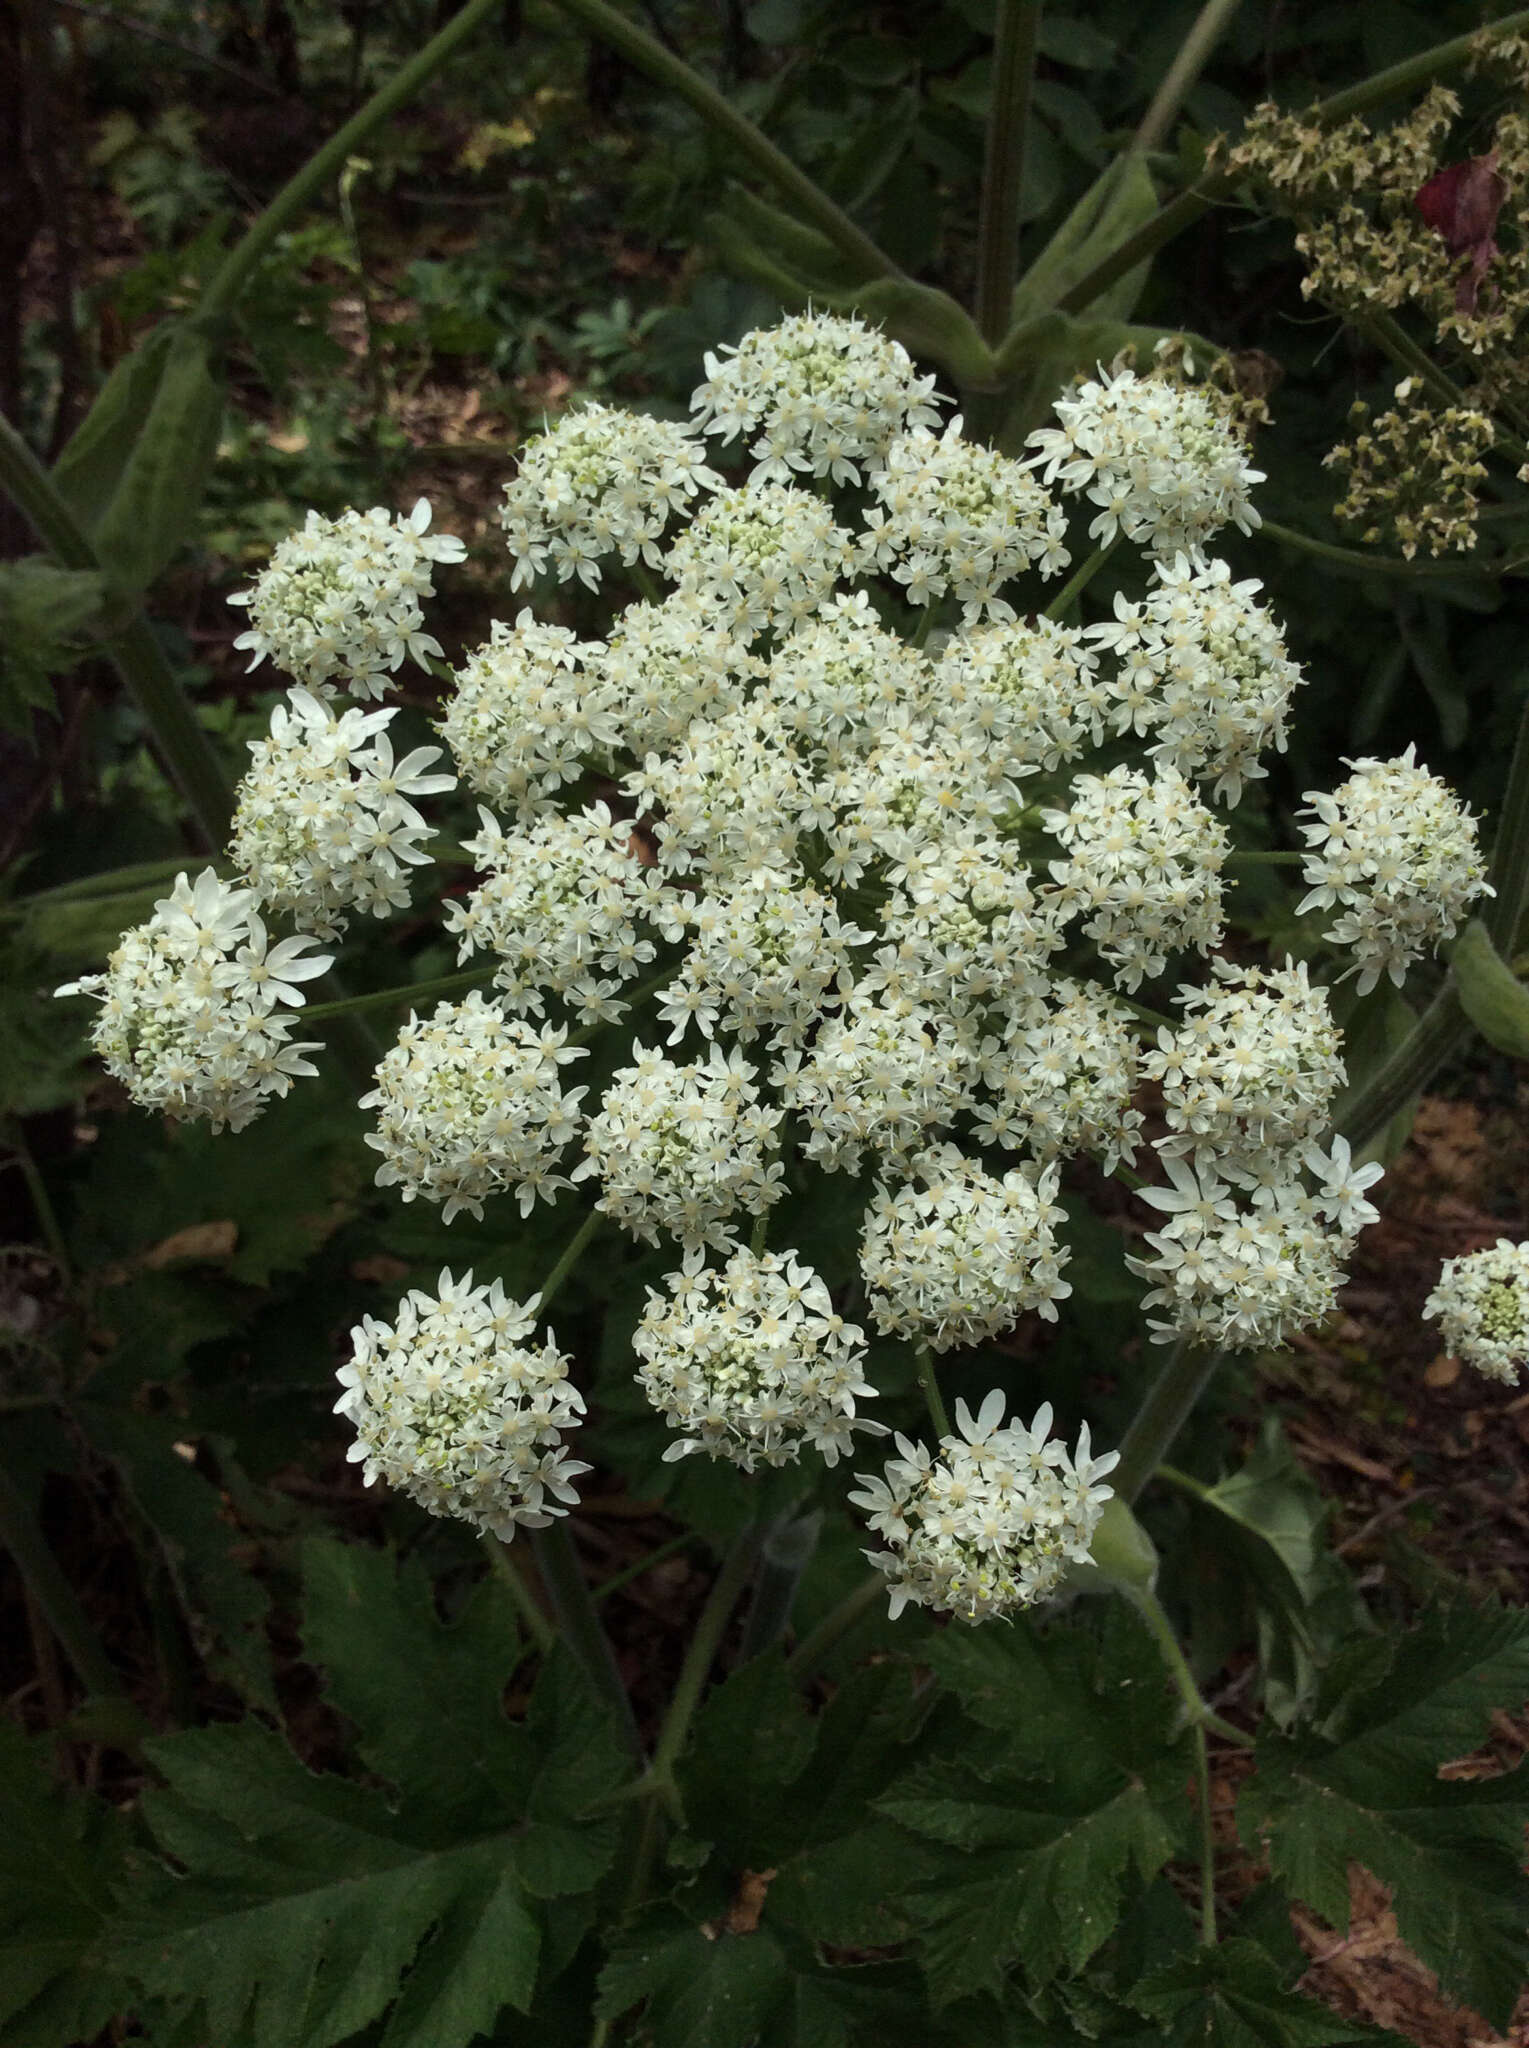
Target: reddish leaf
[{"x": 1461, "y": 204}]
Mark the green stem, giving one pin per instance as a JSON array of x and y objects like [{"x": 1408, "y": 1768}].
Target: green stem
[
  {"x": 579, "y": 1626},
  {"x": 54, "y": 1595},
  {"x": 1422, "y": 69},
  {"x": 326, "y": 163},
  {"x": 42, "y": 1201},
  {"x": 643, "y": 1564},
  {"x": 730, "y": 1582},
  {"x": 535, "y": 1623},
  {"x": 1179, "y": 79},
  {"x": 1004, "y": 166},
  {"x": 1207, "y": 1840},
  {"x": 802, "y": 1665},
  {"x": 933, "y": 1400},
  {"x": 784, "y": 1555},
  {"x": 808, "y": 202},
  {"x": 1079, "y": 581},
  {"x": 1168, "y": 222},
  {"x": 133, "y": 650},
  {"x": 1184, "y": 1377},
  {"x": 573, "y": 1251},
  {"x": 1361, "y": 558},
  {"x": 387, "y": 998},
  {"x": 1509, "y": 869}
]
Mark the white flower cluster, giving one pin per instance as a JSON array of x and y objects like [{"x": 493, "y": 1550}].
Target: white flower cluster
[
  {"x": 664, "y": 667},
  {"x": 830, "y": 395},
  {"x": 752, "y": 1363},
  {"x": 1144, "y": 867},
  {"x": 962, "y": 929},
  {"x": 1397, "y": 849},
  {"x": 733, "y": 795},
  {"x": 1241, "y": 1275},
  {"x": 843, "y": 680},
  {"x": 767, "y": 952},
  {"x": 1203, "y": 667},
  {"x": 322, "y": 822},
  {"x": 1482, "y": 1303},
  {"x": 684, "y": 1149},
  {"x": 471, "y": 1102},
  {"x": 955, "y": 516},
  {"x": 990, "y": 1526},
  {"x": 559, "y": 908},
  {"x": 879, "y": 1078},
  {"x": 453, "y": 1409},
  {"x": 197, "y": 1007},
  {"x": 602, "y": 480},
  {"x": 338, "y": 606},
  {"x": 1252, "y": 1070},
  {"x": 1031, "y": 688},
  {"x": 1061, "y": 1079},
  {"x": 1156, "y": 457},
  {"x": 765, "y": 556},
  {"x": 524, "y": 719},
  {"x": 954, "y": 1256}
]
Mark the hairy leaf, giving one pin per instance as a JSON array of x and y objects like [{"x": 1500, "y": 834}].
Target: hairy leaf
[
  {"x": 305, "y": 1900},
  {"x": 709, "y": 1986},
  {"x": 428, "y": 1699},
  {"x": 44, "y": 612},
  {"x": 1360, "y": 1782},
  {"x": 1042, "y": 1827},
  {"x": 58, "y": 1855},
  {"x": 1230, "y": 1996}
]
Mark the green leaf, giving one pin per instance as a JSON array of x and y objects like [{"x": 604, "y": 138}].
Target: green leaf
[
  {"x": 1120, "y": 199},
  {"x": 1361, "y": 1783},
  {"x": 781, "y": 238},
  {"x": 224, "y": 1604},
  {"x": 44, "y": 613},
  {"x": 707, "y": 1986},
  {"x": 90, "y": 469},
  {"x": 160, "y": 488},
  {"x": 427, "y": 1698},
  {"x": 751, "y": 1737},
  {"x": 59, "y": 1852},
  {"x": 1230, "y": 1996},
  {"x": 1260, "y": 1531},
  {"x": 1496, "y": 1002},
  {"x": 305, "y": 1900},
  {"x": 1042, "y": 1826}
]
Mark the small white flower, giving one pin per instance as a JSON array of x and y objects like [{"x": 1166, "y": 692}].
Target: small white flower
[
  {"x": 453, "y": 1409},
  {"x": 752, "y": 1363},
  {"x": 339, "y": 605},
  {"x": 1482, "y": 1302},
  {"x": 1396, "y": 847},
  {"x": 990, "y": 1525}
]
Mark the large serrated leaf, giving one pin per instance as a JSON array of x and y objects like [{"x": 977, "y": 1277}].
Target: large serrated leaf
[
  {"x": 305, "y": 1900},
  {"x": 428, "y": 1699},
  {"x": 1073, "y": 1787},
  {"x": 1361, "y": 1783},
  {"x": 59, "y": 1852},
  {"x": 1230, "y": 1996}
]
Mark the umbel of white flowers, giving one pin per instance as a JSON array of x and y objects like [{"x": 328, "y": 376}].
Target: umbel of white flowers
[{"x": 854, "y": 852}]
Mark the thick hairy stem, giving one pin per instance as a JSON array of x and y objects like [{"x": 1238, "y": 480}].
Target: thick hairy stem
[
  {"x": 1167, "y": 1407},
  {"x": 1004, "y": 168},
  {"x": 933, "y": 1399},
  {"x": 579, "y": 1626}
]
